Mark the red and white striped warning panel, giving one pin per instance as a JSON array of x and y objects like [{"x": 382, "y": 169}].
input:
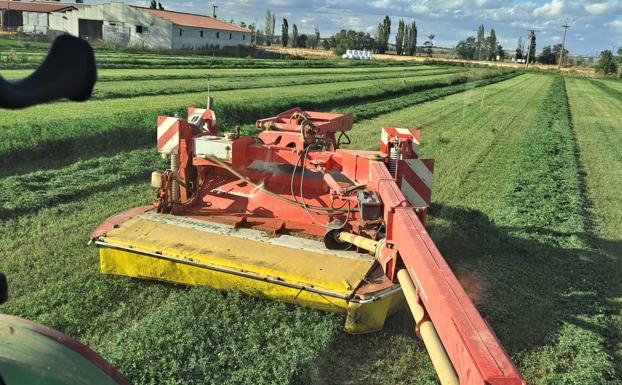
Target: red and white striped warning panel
[
  {"x": 388, "y": 133},
  {"x": 415, "y": 177},
  {"x": 168, "y": 134}
]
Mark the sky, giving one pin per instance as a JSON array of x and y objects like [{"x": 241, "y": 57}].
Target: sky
[{"x": 595, "y": 25}]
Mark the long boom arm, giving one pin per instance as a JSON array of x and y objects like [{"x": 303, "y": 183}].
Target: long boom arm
[{"x": 473, "y": 348}]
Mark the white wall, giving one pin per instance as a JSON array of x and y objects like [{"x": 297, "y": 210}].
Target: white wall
[
  {"x": 119, "y": 23},
  {"x": 35, "y": 22},
  {"x": 190, "y": 37}
]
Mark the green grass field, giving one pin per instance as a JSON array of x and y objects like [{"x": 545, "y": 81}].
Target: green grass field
[{"x": 526, "y": 210}]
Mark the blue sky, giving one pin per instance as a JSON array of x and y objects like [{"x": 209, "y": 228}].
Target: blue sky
[{"x": 595, "y": 25}]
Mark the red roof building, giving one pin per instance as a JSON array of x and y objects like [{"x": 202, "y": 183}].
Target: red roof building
[
  {"x": 192, "y": 20},
  {"x": 124, "y": 24},
  {"x": 32, "y": 6}
]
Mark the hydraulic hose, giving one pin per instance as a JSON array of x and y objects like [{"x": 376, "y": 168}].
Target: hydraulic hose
[{"x": 445, "y": 370}]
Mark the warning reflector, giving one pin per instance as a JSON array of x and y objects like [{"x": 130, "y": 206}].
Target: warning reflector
[
  {"x": 415, "y": 179},
  {"x": 168, "y": 134}
]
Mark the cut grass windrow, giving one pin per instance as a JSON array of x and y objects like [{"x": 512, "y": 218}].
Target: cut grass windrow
[
  {"x": 23, "y": 59},
  {"x": 25, "y": 193},
  {"x": 112, "y": 75},
  {"x": 129, "y": 123},
  {"x": 137, "y": 88},
  {"x": 546, "y": 206},
  {"x": 608, "y": 88},
  {"x": 373, "y": 109},
  {"x": 598, "y": 124},
  {"x": 508, "y": 216}
]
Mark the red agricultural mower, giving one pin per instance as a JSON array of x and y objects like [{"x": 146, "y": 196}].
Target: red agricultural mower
[{"x": 291, "y": 216}]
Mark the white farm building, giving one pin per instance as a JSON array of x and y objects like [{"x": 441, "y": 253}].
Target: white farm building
[{"x": 124, "y": 24}]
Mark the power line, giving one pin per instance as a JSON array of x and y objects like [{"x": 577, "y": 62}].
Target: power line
[{"x": 565, "y": 25}]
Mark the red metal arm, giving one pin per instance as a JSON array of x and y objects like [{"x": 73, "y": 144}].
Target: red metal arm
[{"x": 473, "y": 348}]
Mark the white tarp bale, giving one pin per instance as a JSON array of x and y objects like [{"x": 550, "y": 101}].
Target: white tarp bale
[{"x": 357, "y": 54}]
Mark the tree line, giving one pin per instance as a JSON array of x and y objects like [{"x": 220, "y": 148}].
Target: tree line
[
  {"x": 480, "y": 47},
  {"x": 266, "y": 34},
  {"x": 405, "y": 37}
]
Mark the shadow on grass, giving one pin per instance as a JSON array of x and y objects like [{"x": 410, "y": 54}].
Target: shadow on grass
[{"x": 529, "y": 283}]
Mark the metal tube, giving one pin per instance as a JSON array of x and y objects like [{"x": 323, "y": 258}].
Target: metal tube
[
  {"x": 445, "y": 370},
  {"x": 358, "y": 241},
  {"x": 175, "y": 169}
]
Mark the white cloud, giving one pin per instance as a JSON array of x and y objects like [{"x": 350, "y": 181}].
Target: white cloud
[
  {"x": 616, "y": 24},
  {"x": 602, "y": 8},
  {"x": 555, "y": 7},
  {"x": 381, "y": 4}
]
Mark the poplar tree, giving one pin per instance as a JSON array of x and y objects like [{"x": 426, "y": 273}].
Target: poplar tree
[
  {"x": 399, "y": 37},
  {"x": 269, "y": 27},
  {"x": 411, "y": 39},
  {"x": 317, "y": 38},
  {"x": 294, "y": 36},
  {"x": 532, "y": 49},
  {"x": 284, "y": 32},
  {"x": 481, "y": 40},
  {"x": 492, "y": 45},
  {"x": 382, "y": 35}
]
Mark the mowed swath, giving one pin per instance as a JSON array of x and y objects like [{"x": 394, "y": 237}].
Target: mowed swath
[
  {"x": 114, "y": 125},
  {"x": 133, "y": 302},
  {"x": 25, "y": 190},
  {"x": 162, "y": 86},
  {"x": 598, "y": 125},
  {"x": 481, "y": 138},
  {"x": 458, "y": 132},
  {"x": 100, "y": 108},
  {"x": 81, "y": 313},
  {"x": 105, "y": 75}
]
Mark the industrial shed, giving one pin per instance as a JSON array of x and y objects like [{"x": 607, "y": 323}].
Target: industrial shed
[
  {"x": 29, "y": 17},
  {"x": 124, "y": 24},
  {"x": 145, "y": 27}
]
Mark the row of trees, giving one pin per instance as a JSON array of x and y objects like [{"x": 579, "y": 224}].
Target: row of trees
[
  {"x": 405, "y": 39},
  {"x": 267, "y": 36},
  {"x": 551, "y": 55},
  {"x": 481, "y": 47}
]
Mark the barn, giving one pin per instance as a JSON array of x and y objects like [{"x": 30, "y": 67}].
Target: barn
[
  {"x": 130, "y": 25},
  {"x": 28, "y": 17}
]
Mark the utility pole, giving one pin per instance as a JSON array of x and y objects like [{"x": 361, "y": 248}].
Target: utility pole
[
  {"x": 566, "y": 25},
  {"x": 215, "y": 6},
  {"x": 532, "y": 34}
]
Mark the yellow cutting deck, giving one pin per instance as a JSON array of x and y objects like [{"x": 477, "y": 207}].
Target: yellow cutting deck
[{"x": 290, "y": 269}]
